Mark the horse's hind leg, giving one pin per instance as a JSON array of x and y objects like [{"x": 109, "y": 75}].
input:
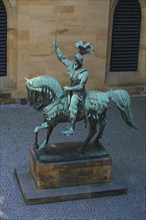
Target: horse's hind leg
[
  {"x": 92, "y": 132},
  {"x": 100, "y": 133},
  {"x": 101, "y": 129}
]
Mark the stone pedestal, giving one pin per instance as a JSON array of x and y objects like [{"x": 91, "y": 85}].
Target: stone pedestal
[
  {"x": 61, "y": 173},
  {"x": 62, "y": 165}
]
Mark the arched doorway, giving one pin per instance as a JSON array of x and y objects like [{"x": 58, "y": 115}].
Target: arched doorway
[
  {"x": 125, "y": 36},
  {"x": 3, "y": 39}
]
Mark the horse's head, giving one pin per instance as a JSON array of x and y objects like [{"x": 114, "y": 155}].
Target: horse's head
[{"x": 42, "y": 90}]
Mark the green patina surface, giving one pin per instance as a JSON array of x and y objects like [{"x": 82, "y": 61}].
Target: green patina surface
[{"x": 73, "y": 103}]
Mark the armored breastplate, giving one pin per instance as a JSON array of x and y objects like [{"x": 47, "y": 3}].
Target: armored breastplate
[{"x": 75, "y": 76}]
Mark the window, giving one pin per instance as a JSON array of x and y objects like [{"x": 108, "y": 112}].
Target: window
[
  {"x": 126, "y": 36},
  {"x": 3, "y": 40}
]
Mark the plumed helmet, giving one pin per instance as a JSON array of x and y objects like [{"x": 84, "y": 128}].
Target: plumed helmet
[
  {"x": 84, "y": 48},
  {"x": 79, "y": 57}
]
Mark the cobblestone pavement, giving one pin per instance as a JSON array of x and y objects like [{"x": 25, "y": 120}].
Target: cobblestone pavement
[{"x": 125, "y": 145}]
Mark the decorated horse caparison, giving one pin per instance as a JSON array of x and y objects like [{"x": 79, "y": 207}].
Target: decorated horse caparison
[{"x": 46, "y": 96}]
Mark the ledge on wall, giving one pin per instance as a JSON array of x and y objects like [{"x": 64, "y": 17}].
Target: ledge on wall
[
  {"x": 7, "y": 98},
  {"x": 133, "y": 82}
]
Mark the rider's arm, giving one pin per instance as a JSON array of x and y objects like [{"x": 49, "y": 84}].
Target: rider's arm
[{"x": 60, "y": 56}]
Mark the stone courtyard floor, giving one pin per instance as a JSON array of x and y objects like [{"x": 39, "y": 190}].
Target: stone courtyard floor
[{"x": 126, "y": 147}]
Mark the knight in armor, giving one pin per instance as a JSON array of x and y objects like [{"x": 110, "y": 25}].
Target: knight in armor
[{"x": 78, "y": 78}]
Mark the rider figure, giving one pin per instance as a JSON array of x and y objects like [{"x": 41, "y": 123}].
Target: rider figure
[{"x": 78, "y": 77}]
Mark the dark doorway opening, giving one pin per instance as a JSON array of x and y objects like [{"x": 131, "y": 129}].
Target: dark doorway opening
[{"x": 3, "y": 40}]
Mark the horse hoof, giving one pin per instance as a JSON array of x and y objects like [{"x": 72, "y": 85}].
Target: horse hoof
[
  {"x": 96, "y": 141},
  {"x": 36, "y": 147},
  {"x": 81, "y": 150},
  {"x": 42, "y": 146}
]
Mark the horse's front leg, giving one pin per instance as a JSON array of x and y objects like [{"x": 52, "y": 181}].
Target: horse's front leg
[
  {"x": 36, "y": 131},
  {"x": 36, "y": 146}
]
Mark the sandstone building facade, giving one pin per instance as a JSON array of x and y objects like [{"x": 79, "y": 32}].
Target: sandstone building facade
[{"x": 116, "y": 28}]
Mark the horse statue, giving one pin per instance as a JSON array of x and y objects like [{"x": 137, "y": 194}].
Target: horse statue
[{"x": 46, "y": 96}]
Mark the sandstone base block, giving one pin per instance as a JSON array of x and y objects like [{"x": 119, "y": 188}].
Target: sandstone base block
[
  {"x": 61, "y": 173},
  {"x": 65, "y": 166}
]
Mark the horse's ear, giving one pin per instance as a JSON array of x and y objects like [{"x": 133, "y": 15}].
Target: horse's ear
[{"x": 26, "y": 79}]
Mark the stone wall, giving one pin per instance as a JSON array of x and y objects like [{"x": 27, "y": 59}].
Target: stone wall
[
  {"x": 77, "y": 20},
  {"x": 32, "y": 28}
]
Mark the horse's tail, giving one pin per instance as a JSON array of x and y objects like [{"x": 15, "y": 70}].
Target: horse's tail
[{"x": 123, "y": 102}]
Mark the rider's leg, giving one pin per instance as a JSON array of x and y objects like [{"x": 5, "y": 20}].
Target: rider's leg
[{"x": 73, "y": 109}]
